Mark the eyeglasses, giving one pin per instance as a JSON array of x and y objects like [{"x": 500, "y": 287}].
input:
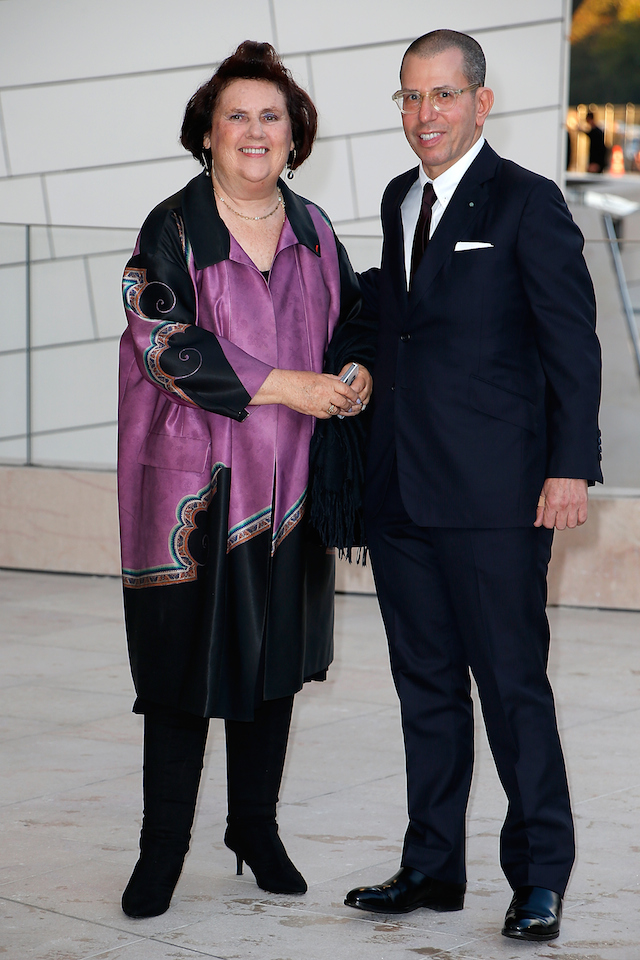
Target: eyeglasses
[{"x": 443, "y": 99}]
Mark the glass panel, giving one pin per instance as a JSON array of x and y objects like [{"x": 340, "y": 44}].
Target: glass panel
[
  {"x": 12, "y": 243},
  {"x": 364, "y": 252},
  {"x": 106, "y": 286},
  {"x": 13, "y": 451},
  {"x": 75, "y": 386},
  {"x": 13, "y": 394},
  {"x": 78, "y": 241},
  {"x": 94, "y": 448},
  {"x": 60, "y": 303},
  {"x": 40, "y": 243},
  {"x": 13, "y": 307},
  {"x": 620, "y": 410}
]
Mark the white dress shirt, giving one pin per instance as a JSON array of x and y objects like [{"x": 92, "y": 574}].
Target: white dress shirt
[{"x": 444, "y": 187}]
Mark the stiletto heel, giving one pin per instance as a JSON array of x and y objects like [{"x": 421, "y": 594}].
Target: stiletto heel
[
  {"x": 258, "y": 845},
  {"x": 255, "y": 758},
  {"x": 239, "y": 865}
]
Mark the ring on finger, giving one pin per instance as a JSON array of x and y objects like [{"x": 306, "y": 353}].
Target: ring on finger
[{"x": 332, "y": 409}]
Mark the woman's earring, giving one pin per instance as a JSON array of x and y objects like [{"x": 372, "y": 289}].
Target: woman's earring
[{"x": 291, "y": 159}]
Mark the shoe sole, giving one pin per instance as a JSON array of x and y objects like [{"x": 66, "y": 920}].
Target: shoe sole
[
  {"x": 437, "y": 907},
  {"x": 531, "y": 937},
  {"x": 283, "y": 893}
]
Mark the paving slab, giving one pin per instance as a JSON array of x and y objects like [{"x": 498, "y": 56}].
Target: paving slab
[{"x": 70, "y": 750}]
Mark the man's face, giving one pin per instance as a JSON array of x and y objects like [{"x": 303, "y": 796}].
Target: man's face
[{"x": 439, "y": 138}]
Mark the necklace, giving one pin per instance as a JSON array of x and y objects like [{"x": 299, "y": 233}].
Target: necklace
[{"x": 265, "y": 216}]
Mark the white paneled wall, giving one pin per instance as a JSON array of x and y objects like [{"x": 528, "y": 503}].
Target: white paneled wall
[
  {"x": 92, "y": 94},
  {"x": 45, "y": 41}
]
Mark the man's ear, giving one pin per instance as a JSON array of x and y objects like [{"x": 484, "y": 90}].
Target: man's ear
[{"x": 484, "y": 103}]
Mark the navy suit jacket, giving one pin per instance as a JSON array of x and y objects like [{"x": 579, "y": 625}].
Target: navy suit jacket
[{"x": 487, "y": 378}]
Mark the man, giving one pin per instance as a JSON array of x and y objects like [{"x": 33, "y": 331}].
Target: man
[
  {"x": 484, "y": 438},
  {"x": 597, "y": 148}
]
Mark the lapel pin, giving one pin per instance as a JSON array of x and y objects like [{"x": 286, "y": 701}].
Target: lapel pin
[{"x": 471, "y": 203}]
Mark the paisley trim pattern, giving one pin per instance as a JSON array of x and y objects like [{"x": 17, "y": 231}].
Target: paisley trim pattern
[
  {"x": 184, "y": 567},
  {"x": 159, "y": 342},
  {"x": 250, "y": 528},
  {"x": 134, "y": 283},
  {"x": 291, "y": 519}
]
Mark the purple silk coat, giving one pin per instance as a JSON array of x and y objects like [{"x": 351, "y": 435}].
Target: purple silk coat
[{"x": 228, "y": 597}]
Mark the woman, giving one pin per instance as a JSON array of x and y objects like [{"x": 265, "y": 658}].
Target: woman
[{"x": 233, "y": 293}]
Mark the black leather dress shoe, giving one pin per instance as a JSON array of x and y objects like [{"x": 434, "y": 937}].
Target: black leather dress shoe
[
  {"x": 407, "y": 891},
  {"x": 534, "y": 914}
]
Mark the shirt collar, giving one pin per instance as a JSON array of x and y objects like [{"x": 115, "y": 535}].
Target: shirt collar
[{"x": 445, "y": 185}]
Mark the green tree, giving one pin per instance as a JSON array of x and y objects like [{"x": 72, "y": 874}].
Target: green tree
[{"x": 605, "y": 52}]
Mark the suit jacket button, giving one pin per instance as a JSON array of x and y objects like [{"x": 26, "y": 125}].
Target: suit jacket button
[
  {"x": 405, "y": 336},
  {"x": 393, "y": 386}
]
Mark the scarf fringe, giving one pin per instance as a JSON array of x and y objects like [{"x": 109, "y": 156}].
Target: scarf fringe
[{"x": 335, "y": 486}]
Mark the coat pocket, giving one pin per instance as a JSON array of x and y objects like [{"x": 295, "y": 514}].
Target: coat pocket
[
  {"x": 497, "y": 402},
  {"x": 188, "y": 454}
]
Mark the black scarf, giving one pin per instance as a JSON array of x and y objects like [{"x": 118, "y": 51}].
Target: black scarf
[{"x": 338, "y": 452}]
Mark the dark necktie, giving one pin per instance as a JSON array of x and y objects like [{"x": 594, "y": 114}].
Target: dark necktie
[{"x": 421, "y": 236}]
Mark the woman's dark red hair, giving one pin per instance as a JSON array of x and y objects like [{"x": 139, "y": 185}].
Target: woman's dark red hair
[{"x": 251, "y": 61}]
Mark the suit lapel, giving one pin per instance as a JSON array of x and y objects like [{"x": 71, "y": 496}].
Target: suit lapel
[
  {"x": 393, "y": 255},
  {"x": 463, "y": 209}
]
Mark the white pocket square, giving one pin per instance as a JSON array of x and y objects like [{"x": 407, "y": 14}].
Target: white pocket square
[{"x": 471, "y": 245}]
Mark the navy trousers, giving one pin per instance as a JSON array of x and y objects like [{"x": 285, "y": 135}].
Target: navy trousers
[{"x": 455, "y": 601}]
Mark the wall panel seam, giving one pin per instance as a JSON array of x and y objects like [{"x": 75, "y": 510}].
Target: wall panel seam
[
  {"x": 274, "y": 23},
  {"x": 64, "y": 171},
  {"x": 52, "y": 430},
  {"x": 45, "y": 196},
  {"x": 65, "y": 258},
  {"x": 5, "y": 142},
  {"x": 352, "y": 181},
  {"x": 39, "y": 347},
  {"x": 320, "y": 51},
  {"x": 358, "y": 135},
  {"x": 91, "y": 298}
]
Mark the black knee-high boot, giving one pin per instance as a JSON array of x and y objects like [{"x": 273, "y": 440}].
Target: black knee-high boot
[
  {"x": 255, "y": 760},
  {"x": 174, "y": 745}
]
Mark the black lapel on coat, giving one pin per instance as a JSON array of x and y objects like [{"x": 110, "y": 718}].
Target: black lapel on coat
[
  {"x": 393, "y": 254},
  {"x": 208, "y": 233},
  {"x": 468, "y": 200},
  {"x": 208, "y": 236},
  {"x": 300, "y": 218}
]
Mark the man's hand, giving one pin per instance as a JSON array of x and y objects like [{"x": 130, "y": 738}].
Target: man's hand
[{"x": 563, "y": 503}]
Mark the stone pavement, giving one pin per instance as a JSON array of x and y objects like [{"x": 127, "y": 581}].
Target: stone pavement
[{"x": 70, "y": 800}]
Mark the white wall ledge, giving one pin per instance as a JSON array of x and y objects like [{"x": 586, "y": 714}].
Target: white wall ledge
[{"x": 66, "y": 521}]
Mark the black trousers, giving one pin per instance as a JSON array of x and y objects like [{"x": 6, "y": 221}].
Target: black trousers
[{"x": 457, "y": 600}]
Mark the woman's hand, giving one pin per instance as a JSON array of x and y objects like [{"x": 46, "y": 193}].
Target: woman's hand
[{"x": 320, "y": 395}]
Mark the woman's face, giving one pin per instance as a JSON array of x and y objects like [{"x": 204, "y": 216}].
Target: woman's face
[{"x": 250, "y": 136}]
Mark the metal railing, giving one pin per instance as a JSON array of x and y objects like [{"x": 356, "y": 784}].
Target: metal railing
[
  {"x": 61, "y": 322},
  {"x": 615, "y": 211},
  {"x": 62, "y": 318}
]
